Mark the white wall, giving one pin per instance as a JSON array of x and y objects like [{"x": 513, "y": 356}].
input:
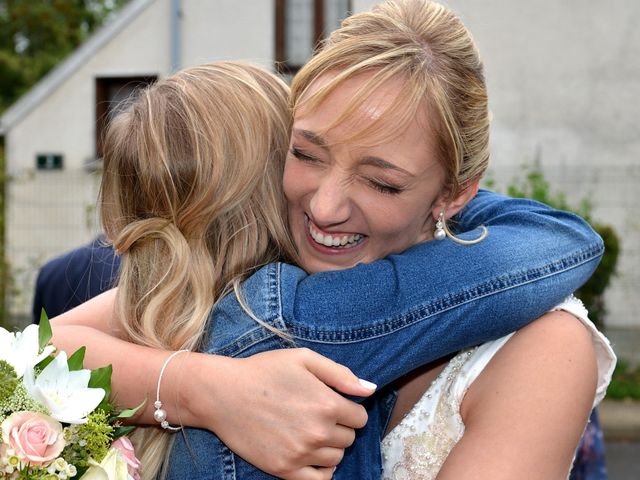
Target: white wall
[
  {"x": 564, "y": 83},
  {"x": 228, "y": 30}
]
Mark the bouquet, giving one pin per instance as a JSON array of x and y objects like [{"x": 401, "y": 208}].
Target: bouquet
[{"x": 56, "y": 419}]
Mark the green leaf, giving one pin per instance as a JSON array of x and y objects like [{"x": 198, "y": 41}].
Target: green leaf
[
  {"x": 75, "y": 361},
  {"x": 122, "y": 431},
  {"x": 130, "y": 412},
  {"x": 44, "y": 330},
  {"x": 101, "y": 378},
  {"x": 43, "y": 364}
]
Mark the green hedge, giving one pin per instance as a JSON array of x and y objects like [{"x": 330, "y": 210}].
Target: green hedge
[{"x": 625, "y": 383}]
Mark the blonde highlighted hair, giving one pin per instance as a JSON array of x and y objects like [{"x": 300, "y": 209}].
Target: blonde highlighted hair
[
  {"x": 425, "y": 45},
  {"x": 192, "y": 199}
]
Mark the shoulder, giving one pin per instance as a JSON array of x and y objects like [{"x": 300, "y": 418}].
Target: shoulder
[
  {"x": 553, "y": 355},
  {"x": 536, "y": 391},
  {"x": 74, "y": 260}
]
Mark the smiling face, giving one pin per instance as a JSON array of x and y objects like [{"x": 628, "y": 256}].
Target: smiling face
[{"x": 354, "y": 198}]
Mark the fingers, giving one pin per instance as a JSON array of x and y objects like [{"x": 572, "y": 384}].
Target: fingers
[
  {"x": 337, "y": 376},
  {"x": 311, "y": 473},
  {"x": 341, "y": 437},
  {"x": 350, "y": 414},
  {"x": 327, "y": 457}
]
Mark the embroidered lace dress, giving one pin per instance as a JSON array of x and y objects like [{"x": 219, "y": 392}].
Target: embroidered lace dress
[{"x": 418, "y": 446}]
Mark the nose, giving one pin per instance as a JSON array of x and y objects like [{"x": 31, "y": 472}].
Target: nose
[{"x": 330, "y": 203}]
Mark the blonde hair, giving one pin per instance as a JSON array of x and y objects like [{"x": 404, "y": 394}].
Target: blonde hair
[
  {"x": 426, "y": 46},
  {"x": 192, "y": 199}
]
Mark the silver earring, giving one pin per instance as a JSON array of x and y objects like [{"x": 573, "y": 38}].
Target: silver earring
[{"x": 440, "y": 233}]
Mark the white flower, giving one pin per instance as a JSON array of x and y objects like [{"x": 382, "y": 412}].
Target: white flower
[
  {"x": 64, "y": 393},
  {"x": 112, "y": 467},
  {"x": 21, "y": 349}
]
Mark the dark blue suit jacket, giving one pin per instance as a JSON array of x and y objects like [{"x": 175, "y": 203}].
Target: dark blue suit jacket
[{"x": 75, "y": 277}]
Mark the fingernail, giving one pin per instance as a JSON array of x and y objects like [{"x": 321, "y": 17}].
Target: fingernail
[{"x": 367, "y": 385}]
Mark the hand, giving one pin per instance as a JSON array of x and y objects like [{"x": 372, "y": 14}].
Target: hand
[{"x": 277, "y": 409}]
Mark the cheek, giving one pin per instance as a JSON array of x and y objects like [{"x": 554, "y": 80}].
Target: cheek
[
  {"x": 404, "y": 224},
  {"x": 299, "y": 181},
  {"x": 290, "y": 183}
]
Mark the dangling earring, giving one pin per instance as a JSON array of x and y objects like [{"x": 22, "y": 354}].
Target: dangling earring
[{"x": 440, "y": 233}]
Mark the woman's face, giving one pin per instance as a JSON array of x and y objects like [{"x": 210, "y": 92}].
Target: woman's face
[{"x": 357, "y": 201}]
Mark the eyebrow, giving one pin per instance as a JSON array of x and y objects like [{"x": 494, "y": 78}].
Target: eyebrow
[
  {"x": 312, "y": 137},
  {"x": 381, "y": 163},
  {"x": 370, "y": 160}
]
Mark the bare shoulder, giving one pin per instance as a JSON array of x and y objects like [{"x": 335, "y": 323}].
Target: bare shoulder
[
  {"x": 555, "y": 352},
  {"x": 536, "y": 391}
]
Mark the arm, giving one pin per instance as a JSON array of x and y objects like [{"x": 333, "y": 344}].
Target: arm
[
  {"x": 284, "y": 398},
  {"x": 548, "y": 370},
  {"x": 389, "y": 317}
]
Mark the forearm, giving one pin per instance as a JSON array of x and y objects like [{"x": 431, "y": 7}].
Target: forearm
[
  {"x": 440, "y": 297},
  {"x": 136, "y": 370},
  {"x": 98, "y": 313}
]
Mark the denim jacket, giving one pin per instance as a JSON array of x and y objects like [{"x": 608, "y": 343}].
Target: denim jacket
[{"x": 386, "y": 318}]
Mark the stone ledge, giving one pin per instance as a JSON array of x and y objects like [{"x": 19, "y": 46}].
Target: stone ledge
[{"x": 620, "y": 420}]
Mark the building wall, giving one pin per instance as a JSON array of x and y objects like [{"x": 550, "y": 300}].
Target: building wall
[
  {"x": 564, "y": 83},
  {"x": 228, "y": 30}
]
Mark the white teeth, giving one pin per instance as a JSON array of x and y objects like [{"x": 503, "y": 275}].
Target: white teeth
[{"x": 337, "y": 241}]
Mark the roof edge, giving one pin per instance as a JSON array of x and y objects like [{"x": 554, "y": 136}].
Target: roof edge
[{"x": 56, "y": 77}]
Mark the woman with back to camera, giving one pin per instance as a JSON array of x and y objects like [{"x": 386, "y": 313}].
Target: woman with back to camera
[{"x": 415, "y": 313}]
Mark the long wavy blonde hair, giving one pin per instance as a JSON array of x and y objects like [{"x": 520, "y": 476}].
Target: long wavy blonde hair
[
  {"x": 192, "y": 199},
  {"x": 426, "y": 46}
]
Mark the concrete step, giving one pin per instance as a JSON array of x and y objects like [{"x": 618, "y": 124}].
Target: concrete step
[{"x": 620, "y": 420}]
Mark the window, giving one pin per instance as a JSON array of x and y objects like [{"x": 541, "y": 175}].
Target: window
[
  {"x": 300, "y": 25},
  {"x": 113, "y": 94},
  {"x": 49, "y": 161}
]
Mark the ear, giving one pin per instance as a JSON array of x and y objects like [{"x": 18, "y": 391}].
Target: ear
[{"x": 451, "y": 207}]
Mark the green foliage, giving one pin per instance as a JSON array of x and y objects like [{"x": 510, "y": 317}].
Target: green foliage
[
  {"x": 19, "y": 400},
  {"x": 89, "y": 440},
  {"x": 76, "y": 360},
  {"x": 101, "y": 378},
  {"x": 44, "y": 330},
  {"x": 8, "y": 379},
  {"x": 536, "y": 187},
  {"x": 625, "y": 383}
]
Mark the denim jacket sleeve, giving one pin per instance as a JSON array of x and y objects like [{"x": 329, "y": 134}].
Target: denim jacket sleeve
[{"x": 388, "y": 317}]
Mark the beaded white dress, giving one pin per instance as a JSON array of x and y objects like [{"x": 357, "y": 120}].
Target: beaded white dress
[{"x": 418, "y": 446}]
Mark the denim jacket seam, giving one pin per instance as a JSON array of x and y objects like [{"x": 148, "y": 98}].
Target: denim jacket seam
[
  {"x": 275, "y": 298},
  {"x": 422, "y": 312},
  {"x": 254, "y": 336}
]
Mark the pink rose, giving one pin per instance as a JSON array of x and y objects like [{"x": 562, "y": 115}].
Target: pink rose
[
  {"x": 126, "y": 448},
  {"x": 35, "y": 437}
]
